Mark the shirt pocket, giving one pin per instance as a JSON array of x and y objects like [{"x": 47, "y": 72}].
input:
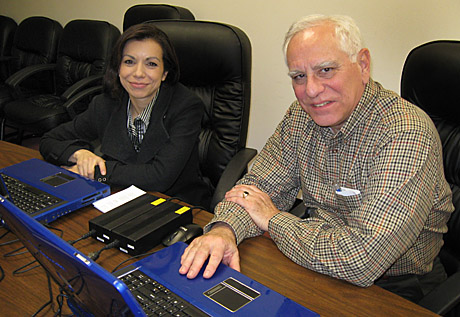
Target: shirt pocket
[{"x": 347, "y": 204}]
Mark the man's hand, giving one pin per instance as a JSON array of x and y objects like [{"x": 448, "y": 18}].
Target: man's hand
[
  {"x": 256, "y": 203},
  {"x": 85, "y": 163},
  {"x": 219, "y": 244}
]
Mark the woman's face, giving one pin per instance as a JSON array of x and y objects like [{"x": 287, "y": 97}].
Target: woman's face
[{"x": 142, "y": 70}]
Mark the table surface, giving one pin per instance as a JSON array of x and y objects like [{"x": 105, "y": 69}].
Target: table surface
[{"x": 23, "y": 294}]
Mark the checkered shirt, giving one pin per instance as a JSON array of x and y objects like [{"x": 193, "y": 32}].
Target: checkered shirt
[{"x": 389, "y": 151}]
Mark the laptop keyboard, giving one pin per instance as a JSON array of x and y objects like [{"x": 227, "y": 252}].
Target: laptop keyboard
[
  {"x": 157, "y": 300},
  {"x": 28, "y": 198}
]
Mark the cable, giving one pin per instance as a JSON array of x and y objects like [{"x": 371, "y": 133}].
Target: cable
[
  {"x": 95, "y": 255},
  {"x": 132, "y": 258},
  {"x": 7, "y": 242},
  {"x": 4, "y": 234},
  {"x": 85, "y": 236},
  {"x": 22, "y": 269},
  {"x": 15, "y": 252},
  {"x": 192, "y": 207},
  {"x": 50, "y": 302},
  {"x": 2, "y": 274}
]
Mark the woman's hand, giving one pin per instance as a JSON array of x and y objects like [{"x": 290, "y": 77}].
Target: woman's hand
[{"x": 85, "y": 163}]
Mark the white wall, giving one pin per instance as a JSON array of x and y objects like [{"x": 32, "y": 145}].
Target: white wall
[{"x": 390, "y": 28}]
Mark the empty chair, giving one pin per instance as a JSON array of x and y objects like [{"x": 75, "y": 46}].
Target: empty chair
[
  {"x": 82, "y": 55},
  {"x": 215, "y": 62},
  {"x": 430, "y": 79},
  {"x": 35, "y": 42},
  {"x": 146, "y": 12},
  {"x": 7, "y": 29}
]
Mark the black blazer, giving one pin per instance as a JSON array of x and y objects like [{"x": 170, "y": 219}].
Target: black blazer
[{"x": 168, "y": 159}]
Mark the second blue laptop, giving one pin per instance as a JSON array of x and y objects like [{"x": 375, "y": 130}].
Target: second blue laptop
[{"x": 47, "y": 192}]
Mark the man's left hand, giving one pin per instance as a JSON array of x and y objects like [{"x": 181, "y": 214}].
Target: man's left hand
[{"x": 256, "y": 203}]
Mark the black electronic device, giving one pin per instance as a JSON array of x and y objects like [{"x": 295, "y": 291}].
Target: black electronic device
[
  {"x": 184, "y": 233},
  {"x": 140, "y": 224}
]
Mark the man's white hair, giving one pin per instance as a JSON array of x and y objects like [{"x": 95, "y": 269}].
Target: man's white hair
[{"x": 346, "y": 31}]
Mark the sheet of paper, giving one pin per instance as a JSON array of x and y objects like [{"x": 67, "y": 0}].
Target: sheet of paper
[{"x": 110, "y": 202}]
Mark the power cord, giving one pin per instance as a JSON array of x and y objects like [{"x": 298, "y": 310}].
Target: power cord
[
  {"x": 131, "y": 259},
  {"x": 2, "y": 274},
  {"x": 91, "y": 233},
  {"x": 95, "y": 255}
]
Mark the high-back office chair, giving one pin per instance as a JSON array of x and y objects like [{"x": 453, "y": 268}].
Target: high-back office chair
[
  {"x": 35, "y": 42},
  {"x": 430, "y": 80},
  {"x": 7, "y": 29},
  {"x": 146, "y": 12},
  {"x": 83, "y": 51},
  {"x": 215, "y": 62}
]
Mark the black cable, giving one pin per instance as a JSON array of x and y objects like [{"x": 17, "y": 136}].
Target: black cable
[
  {"x": 7, "y": 231},
  {"x": 15, "y": 252},
  {"x": 192, "y": 207},
  {"x": 54, "y": 228},
  {"x": 85, "y": 236},
  {"x": 7, "y": 242},
  {"x": 60, "y": 300},
  {"x": 50, "y": 302},
  {"x": 2, "y": 274},
  {"x": 95, "y": 255},
  {"x": 21, "y": 269},
  {"x": 132, "y": 258}
]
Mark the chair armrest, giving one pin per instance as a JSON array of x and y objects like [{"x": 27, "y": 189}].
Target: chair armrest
[
  {"x": 232, "y": 173},
  {"x": 444, "y": 297},
  {"x": 80, "y": 85},
  {"x": 17, "y": 78},
  {"x": 70, "y": 105}
]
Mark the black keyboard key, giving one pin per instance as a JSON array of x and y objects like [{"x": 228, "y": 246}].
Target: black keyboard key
[
  {"x": 28, "y": 198},
  {"x": 156, "y": 299}
]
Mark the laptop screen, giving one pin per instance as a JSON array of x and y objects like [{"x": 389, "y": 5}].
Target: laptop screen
[{"x": 89, "y": 287}]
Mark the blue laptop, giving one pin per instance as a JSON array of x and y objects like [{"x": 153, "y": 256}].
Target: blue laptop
[
  {"x": 46, "y": 191},
  {"x": 149, "y": 287}
]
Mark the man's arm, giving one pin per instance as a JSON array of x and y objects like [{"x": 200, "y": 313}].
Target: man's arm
[{"x": 220, "y": 243}]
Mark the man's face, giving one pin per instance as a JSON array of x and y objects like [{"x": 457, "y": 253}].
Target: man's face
[{"x": 327, "y": 84}]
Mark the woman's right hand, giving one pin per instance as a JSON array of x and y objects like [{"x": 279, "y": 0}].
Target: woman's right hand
[{"x": 85, "y": 162}]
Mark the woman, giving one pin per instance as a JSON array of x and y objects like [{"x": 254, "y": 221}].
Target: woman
[{"x": 146, "y": 122}]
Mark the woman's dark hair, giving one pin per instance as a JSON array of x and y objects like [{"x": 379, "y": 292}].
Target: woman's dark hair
[{"x": 139, "y": 32}]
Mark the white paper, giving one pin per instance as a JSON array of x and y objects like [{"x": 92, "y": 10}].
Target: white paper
[{"x": 110, "y": 202}]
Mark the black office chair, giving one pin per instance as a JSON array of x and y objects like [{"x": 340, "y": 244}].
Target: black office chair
[
  {"x": 146, "y": 12},
  {"x": 431, "y": 79},
  {"x": 83, "y": 51},
  {"x": 35, "y": 42},
  {"x": 7, "y": 29},
  {"x": 215, "y": 62}
]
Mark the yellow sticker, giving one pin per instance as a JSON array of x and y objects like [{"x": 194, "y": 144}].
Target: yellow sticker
[
  {"x": 158, "y": 201},
  {"x": 182, "y": 210}
]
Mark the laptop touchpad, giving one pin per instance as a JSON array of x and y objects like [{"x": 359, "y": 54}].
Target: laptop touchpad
[
  {"x": 57, "y": 179},
  {"x": 232, "y": 294}
]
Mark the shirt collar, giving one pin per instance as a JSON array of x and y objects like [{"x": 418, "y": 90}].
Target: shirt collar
[
  {"x": 363, "y": 109},
  {"x": 145, "y": 114}
]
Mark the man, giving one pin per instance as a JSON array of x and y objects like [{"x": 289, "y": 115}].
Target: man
[{"x": 368, "y": 164}]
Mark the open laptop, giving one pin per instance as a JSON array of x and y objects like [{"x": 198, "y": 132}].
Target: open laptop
[
  {"x": 46, "y": 191},
  {"x": 94, "y": 291}
]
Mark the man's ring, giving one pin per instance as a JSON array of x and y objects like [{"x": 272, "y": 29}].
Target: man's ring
[{"x": 245, "y": 194}]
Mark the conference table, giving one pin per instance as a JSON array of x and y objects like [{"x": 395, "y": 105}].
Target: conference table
[{"x": 23, "y": 292}]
